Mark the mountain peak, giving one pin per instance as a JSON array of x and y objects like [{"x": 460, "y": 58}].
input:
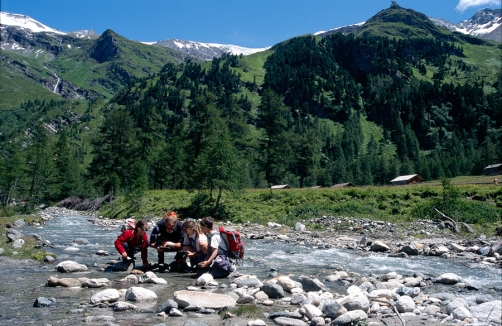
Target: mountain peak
[
  {"x": 394, "y": 5},
  {"x": 105, "y": 48}
]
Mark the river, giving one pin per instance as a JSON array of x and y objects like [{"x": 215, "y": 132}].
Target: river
[{"x": 22, "y": 282}]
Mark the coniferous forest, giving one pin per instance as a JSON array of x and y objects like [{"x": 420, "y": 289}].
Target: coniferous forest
[{"x": 326, "y": 110}]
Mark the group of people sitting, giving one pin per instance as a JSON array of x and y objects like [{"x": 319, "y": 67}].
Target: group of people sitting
[{"x": 201, "y": 245}]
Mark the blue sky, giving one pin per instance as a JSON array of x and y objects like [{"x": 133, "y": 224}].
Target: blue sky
[{"x": 249, "y": 23}]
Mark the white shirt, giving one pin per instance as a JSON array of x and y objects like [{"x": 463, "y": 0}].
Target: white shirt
[{"x": 194, "y": 239}]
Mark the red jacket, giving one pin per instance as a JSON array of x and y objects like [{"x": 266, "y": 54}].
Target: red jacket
[{"x": 128, "y": 237}]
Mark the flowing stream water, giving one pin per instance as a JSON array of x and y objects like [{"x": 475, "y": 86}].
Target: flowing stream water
[{"x": 21, "y": 283}]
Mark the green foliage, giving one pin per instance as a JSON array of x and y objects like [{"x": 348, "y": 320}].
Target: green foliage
[{"x": 309, "y": 112}]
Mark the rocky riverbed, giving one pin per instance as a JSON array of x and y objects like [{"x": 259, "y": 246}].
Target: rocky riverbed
[{"x": 74, "y": 288}]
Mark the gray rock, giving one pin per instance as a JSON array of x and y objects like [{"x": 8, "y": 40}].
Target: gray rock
[
  {"x": 95, "y": 319},
  {"x": 286, "y": 283},
  {"x": 65, "y": 282},
  {"x": 18, "y": 243},
  {"x": 349, "y": 317},
  {"x": 81, "y": 241},
  {"x": 457, "y": 303},
  {"x": 123, "y": 306},
  {"x": 483, "y": 251},
  {"x": 193, "y": 323},
  {"x": 411, "y": 292},
  {"x": 1, "y": 251},
  {"x": 285, "y": 321},
  {"x": 14, "y": 234},
  {"x": 482, "y": 298},
  {"x": 309, "y": 284},
  {"x": 274, "y": 291},
  {"x": 42, "y": 302},
  {"x": 37, "y": 237},
  {"x": 357, "y": 301},
  {"x": 49, "y": 259},
  {"x": 261, "y": 296},
  {"x": 410, "y": 250},
  {"x": 277, "y": 314},
  {"x": 448, "y": 278},
  {"x": 461, "y": 313},
  {"x": 488, "y": 311},
  {"x": 110, "y": 295},
  {"x": 333, "y": 309},
  {"x": 379, "y": 246},
  {"x": 249, "y": 282},
  {"x": 193, "y": 308},
  {"x": 299, "y": 227},
  {"x": 167, "y": 306},
  {"x": 366, "y": 287},
  {"x": 311, "y": 311},
  {"x": 19, "y": 223},
  {"x": 96, "y": 283},
  {"x": 405, "y": 304},
  {"x": 297, "y": 298},
  {"x": 138, "y": 294},
  {"x": 102, "y": 253},
  {"x": 443, "y": 296},
  {"x": 204, "y": 299},
  {"x": 69, "y": 266},
  {"x": 175, "y": 313},
  {"x": 317, "y": 321}
]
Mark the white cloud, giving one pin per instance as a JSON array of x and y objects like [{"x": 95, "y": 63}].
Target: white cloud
[{"x": 464, "y": 4}]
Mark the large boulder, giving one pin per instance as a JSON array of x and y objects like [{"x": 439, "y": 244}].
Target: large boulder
[
  {"x": 488, "y": 311},
  {"x": 69, "y": 266},
  {"x": 207, "y": 300},
  {"x": 139, "y": 294}
]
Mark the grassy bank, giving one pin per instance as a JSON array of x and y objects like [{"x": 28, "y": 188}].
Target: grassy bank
[
  {"x": 480, "y": 205},
  {"x": 30, "y": 249}
]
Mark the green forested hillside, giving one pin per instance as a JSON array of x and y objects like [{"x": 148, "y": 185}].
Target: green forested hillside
[
  {"x": 311, "y": 111},
  {"x": 75, "y": 68}
]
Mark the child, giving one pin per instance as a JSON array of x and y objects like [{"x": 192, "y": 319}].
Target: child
[
  {"x": 216, "y": 261},
  {"x": 194, "y": 243}
]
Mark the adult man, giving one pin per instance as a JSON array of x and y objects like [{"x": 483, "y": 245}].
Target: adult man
[
  {"x": 132, "y": 241},
  {"x": 166, "y": 236}
]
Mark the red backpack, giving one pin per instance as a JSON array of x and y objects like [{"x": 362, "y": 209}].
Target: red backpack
[{"x": 234, "y": 243}]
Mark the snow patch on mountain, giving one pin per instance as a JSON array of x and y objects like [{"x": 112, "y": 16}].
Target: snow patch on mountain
[
  {"x": 207, "y": 51},
  {"x": 331, "y": 31},
  {"x": 26, "y": 22}
]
